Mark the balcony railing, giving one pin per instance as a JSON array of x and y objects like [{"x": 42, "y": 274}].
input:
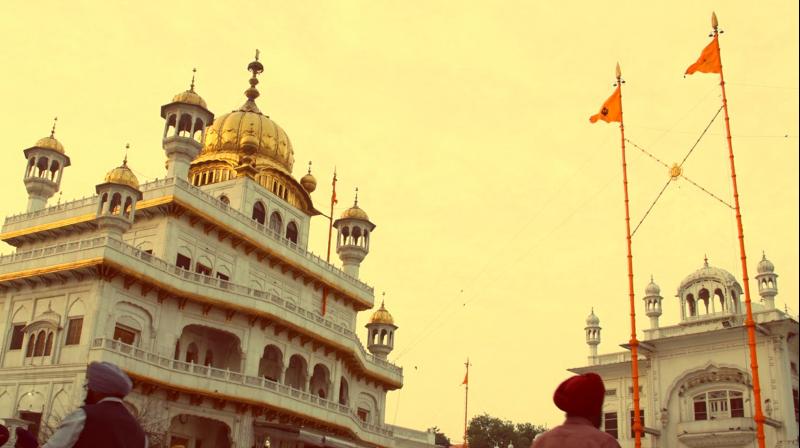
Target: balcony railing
[
  {"x": 213, "y": 202},
  {"x": 138, "y": 256},
  {"x": 234, "y": 378}
]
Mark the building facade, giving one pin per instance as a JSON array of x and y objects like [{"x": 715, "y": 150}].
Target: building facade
[
  {"x": 695, "y": 384},
  {"x": 201, "y": 287}
]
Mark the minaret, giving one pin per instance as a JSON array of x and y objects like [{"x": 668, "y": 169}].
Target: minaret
[
  {"x": 767, "y": 282},
  {"x": 186, "y": 119},
  {"x": 380, "y": 333},
  {"x": 46, "y": 163},
  {"x": 592, "y": 336},
  {"x": 652, "y": 303},
  {"x": 352, "y": 242},
  {"x": 118, "y": 193}
]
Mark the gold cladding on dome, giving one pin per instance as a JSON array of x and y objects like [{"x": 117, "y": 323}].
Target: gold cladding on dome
[
  {"x": 382, "y": 316},
  {"x": 190, "y": 97},
  {"x": 123, "y": 175},
  {"x": 309, "y": 182},
  {"x": 355, "y": 212},
  {"x": 50, "y": 142}
]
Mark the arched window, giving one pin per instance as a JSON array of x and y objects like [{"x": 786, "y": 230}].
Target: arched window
[
  {"x": 38, "y": 349},
  {"x": 718, "y": 404},
  {"x": 48, "y": 345},
  {"x": 209, "y": 361},
  {"x": 721, "y": 298},
  {"x": 704, "y": 297},
  {"x": 185, "y": 126},
  {"x": 296, "y": 372},
  {"x": 291, "y": 232},
  {"x": 275, "y": 222},
  {"x": 31, "y": 343},
  {"x": 691, "y": 305},
  {"x": 128, "y": 207},
  {"x": 271, "y": 364},
  {"x": 192, "y": 355},
  {"x": 114, "y": 207},
  {"x": 259, "y": 212},
  {"x": 344, "y": 392}
]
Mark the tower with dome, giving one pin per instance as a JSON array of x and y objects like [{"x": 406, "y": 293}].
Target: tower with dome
[
  {"x": 199, "y": 285},
  {"x": 695, "y": 384}
]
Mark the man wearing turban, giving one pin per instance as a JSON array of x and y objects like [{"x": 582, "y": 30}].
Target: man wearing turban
[
  {"x": 581, "y": 397},
  {"x": 103, "y": 421}
]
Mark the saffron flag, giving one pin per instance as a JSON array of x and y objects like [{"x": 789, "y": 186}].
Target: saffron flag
[
  {"x": 466, "y": 378},
  {"x": 709, "y": 61},
  {"x": 611, "y": 110},
  {"x": 333, "y": 195}
]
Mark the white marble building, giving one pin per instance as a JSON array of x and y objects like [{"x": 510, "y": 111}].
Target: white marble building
[
  {"x": 199, "y": 285},
  {"x": 695, "y": 381}
]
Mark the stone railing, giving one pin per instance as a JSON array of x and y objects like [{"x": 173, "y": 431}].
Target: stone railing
[
  {"x": 274, "y": 236},
  {"x": 137, "y": 256},
  {"x": 249, "y": 382}
]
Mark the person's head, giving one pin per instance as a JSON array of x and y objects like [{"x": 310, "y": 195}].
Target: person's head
[
  {"x": 104, "y": 380},
  {"x": 582, "y": 396}
]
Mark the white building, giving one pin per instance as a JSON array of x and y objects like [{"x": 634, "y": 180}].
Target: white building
[
  {"x": 201, "y": 287},
  {"x": 695, "y": 382}
]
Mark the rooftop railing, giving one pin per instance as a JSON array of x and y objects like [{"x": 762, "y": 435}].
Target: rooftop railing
[{"x": 261, "y": 383}]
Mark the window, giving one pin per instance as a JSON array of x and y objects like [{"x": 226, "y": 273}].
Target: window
[
  {"x": 641, "y": 421},
  {"x": 718, "y": 404},
  {"x": 363, "y": 414},
  {"x": 35, "y": 418},
  {"x": 291, "y": 232},
  {"x": 17, "y": 336},
  {"x": 74, "y": 328},
  {"x": 183, "y": 262},
  {"x": 259, "y": 213},
  {"x": 38, "y": 348},
  {"x": 202, "y": 269},
  {"x": 48, "y": 346},
  {"x": 610, "y": 423},
  {"x": 125, "y": 334},
  {"x": 222, "y": 276},
  {"x": 611, "y": 392}
]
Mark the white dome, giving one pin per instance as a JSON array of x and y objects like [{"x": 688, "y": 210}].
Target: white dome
[
  {"x": 765, "y": 266},
  {"x": 652, "y": 289},
  {"x": 592, "y": 320},
  {"x": 711, "y": 273}
]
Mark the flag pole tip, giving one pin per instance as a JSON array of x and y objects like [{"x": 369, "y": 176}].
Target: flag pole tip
[
  {"x": 714, "y": 22},
  {"x": 618, "y": 71}
]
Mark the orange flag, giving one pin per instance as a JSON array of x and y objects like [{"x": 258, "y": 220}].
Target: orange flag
[
  {"x": 466, "y": 378},
  {"x": 708, "y": 62},
  {"x": 611, "y": 110}
]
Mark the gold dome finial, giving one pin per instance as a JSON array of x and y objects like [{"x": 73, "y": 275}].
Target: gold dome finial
[
  {"x": 309, "y": 167},
  {"x": 53, "y": 130},
  {"x": 256, "y": 68},
  {"x": 309, "y": 182},
  {"x": 355, "y": 203},
  {"x": 191, "y": 86}
]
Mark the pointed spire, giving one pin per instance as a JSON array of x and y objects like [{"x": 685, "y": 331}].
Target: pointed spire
[
  {"x": 53, "y": 130},
  {"x": 191, "y": 86},
  {"x": 309, "y": 167},
  {"x": 705, "y": 260},
  {"x": 125, "y": 160},
  {"x": 355, "y": 204}
]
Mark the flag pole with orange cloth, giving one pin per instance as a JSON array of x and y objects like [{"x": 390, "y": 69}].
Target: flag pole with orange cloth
[
  {"x": 466, "y": 401},
  {"x": 330, "y": 235},
  {"x": 612, "y": 112},
  {"x": 710, "y": 61}
]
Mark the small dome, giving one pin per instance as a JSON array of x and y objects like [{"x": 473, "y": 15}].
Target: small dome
[
  {"x": 592, "y": 320},
  {"x": 309, "y": 182},
  {"x": 355, "y": 212},
  {"x": 123, "y": 175},
  {"x": 50, "y": 142},
  {"x": 709, "y": 273},
  {"x": 765, "y": 266},
  {"x": 190, "y": 97},
  {"x": 381, "y": 316},
  {"x": 652, "y": 289}
]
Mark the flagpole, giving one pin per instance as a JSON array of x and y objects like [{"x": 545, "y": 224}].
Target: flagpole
[
  {"x": 330, "y": 217},
  {"x": 749, "y": 323},
  {"x": 634, "y": 343},
  {"x": 466, "y": 401}
]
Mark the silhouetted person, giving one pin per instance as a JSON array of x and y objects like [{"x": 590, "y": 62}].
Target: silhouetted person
[{"x": 581, "y": 397}]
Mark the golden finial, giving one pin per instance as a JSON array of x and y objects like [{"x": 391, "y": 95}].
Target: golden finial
[
  {"x": 191, "y": 87},
  {"x": 383, "y": 298},
  {"x": 53, "y": 130},
  {"x": 618, "y": 72},
  {"x": 125, "y": 160},
  {"x": 714, "y": 22},
  {"x": 356, "y": 201},
  {"x": 256, "y": 68},
  {"x": 705, "y": 260},
  {"x": 309, "y": 167},
  {"x": 257, "y": 53},
  {"x": 675, "y": 171}
]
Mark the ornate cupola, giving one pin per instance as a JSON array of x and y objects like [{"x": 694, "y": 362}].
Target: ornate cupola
[
  {"x": 592, "y": 330},
  {"x": 119, "y": 194},
  {"x": 186, "y": 118},
  {"x": 652, "y": 302},
  {"x": 708, "y": 293},
  {"x": 380, "y": 333},
  {"x": 352, "y": 242},
  {"x": 43, "y": 171},
  {"x": 767, "y": 282}
]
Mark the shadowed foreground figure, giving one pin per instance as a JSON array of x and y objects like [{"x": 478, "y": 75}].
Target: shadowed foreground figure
[
  {"x": 581, "y": 397},
  {"x": 103, "y": 421}
]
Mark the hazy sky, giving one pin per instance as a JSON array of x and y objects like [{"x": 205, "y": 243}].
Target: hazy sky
[{"x": 465, "y": 126}]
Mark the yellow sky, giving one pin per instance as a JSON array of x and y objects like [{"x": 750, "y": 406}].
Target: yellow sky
[{"x": 465, "y": 126}]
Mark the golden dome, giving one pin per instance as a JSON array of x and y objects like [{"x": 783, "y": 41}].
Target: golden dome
[
  {"x": 50, "y": 142},
  {"x": 309, "y": 182},
  {"x": 381, "y": 316},
  {"x": 355, "y": 212},
  {"x": 190, "y": 97},
  {"x": 123, "y": 175}
]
